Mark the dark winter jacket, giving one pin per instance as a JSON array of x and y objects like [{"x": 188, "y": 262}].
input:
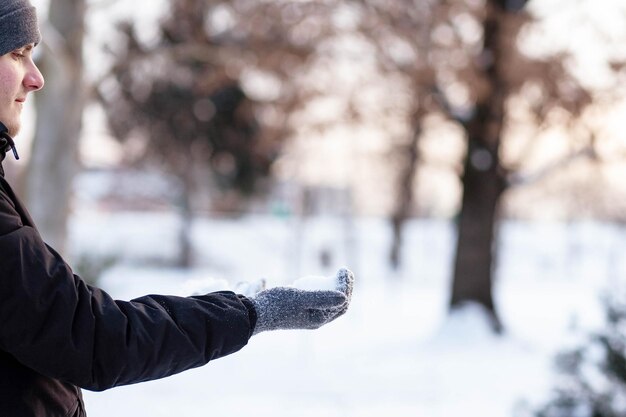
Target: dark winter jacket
[{"x": 58, "y": 334}]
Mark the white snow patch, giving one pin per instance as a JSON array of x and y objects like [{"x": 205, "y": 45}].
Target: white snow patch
[
  {"x": 397, "y": 351},
  {"x": 315, "y": 283},
  {"x": 469, "y": 322}
]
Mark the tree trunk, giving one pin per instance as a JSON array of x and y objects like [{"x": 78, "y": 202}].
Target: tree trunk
[
  {"x": 186, "y": 213},
  {"x": 54, "y": 160},
  {"x": 473, "y": 267},
  {"x": 187, "y": 172},
  {"x": 404, "y": 194},
  {"x": 483, "y": 183},
  {"x": 424, "y": 82}
]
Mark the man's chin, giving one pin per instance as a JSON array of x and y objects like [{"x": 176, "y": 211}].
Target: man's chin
[
  {"x": 12, "y": 120},
  {"x": 14, "y": 128}
]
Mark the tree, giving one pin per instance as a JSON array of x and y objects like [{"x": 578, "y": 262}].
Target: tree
[
  {"x": 468, "y": 68},
  {"x": 483, "y": 180},
  {"x": 184, "y": 96},
  {"x": 54, "y": 156},
  {"x": 505, "y": 73},
  {"x": 422, "y": 82}
]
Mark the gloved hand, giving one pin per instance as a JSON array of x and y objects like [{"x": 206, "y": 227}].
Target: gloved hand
[{"x": 293, "y": 308}]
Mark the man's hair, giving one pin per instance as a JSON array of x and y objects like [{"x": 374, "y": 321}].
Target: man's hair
[{"x": 18, "y": 25}]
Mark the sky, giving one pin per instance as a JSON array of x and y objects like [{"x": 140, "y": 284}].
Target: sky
[
  {"x": 568, "y": 25},
  {"x": 592, "y": 30}
]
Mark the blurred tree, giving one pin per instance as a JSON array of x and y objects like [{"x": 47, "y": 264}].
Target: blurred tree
[
  {"x": 463, "y": 61},
  {"x": 483, "y": 175},
  {"x": 498, "y": 74},
  {"x": 422, "y": 82},
  {"x": 54, "y": 161},
  {"x": 184, "y": 97}
]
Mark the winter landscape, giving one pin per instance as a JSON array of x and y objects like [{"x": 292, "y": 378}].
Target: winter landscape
[
  {"x": 386, "y": 108},
  {"x": 397, "y": 352}
]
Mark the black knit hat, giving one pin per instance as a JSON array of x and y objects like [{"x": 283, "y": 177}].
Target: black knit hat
[{"x": 18, "y": 25}]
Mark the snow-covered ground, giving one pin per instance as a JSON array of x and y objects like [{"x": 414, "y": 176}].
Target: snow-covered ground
[{"x": 396, "y": 352}]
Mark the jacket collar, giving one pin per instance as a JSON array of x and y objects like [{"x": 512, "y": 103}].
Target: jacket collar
[{"x": 6, "y": 144}]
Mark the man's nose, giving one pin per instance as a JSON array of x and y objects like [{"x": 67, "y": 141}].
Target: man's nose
[{"x": 33, "y": 80}]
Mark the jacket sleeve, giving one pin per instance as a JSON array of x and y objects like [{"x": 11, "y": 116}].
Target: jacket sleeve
[{"x": 54, "y": 323}]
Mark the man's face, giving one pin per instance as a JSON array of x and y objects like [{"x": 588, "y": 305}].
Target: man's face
[{"x": 18, "y": 76}]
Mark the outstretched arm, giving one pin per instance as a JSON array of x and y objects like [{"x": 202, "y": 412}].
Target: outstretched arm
[{"x": 57, "y": 325}]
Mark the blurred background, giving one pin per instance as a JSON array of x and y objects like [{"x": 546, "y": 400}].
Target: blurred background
[{"x": 464, "y": 158}]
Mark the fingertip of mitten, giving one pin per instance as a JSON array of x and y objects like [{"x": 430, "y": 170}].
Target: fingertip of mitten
[{"x": 345, "y": 281}]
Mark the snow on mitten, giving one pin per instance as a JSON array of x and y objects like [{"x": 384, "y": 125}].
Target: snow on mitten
[
  {"x": 250, "y": 289},
  {"x": 308, "y": 308}
]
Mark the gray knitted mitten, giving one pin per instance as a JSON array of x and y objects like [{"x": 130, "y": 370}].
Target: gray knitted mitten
[{"x": 293, "y": 308}]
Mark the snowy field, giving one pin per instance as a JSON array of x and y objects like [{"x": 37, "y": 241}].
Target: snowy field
[{"x": 396, "y": 352}]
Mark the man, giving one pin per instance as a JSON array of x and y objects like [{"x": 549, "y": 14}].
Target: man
[{"x": 58, "y": 335}]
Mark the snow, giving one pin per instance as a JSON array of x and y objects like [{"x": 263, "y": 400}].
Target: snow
[
  {"x": 396, "y": 352},
  {"x": 314, "y": 283}
]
